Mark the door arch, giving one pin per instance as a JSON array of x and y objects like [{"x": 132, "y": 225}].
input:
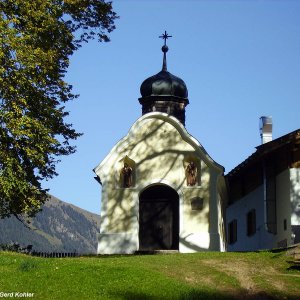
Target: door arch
[{"x": 159, "y": 218}]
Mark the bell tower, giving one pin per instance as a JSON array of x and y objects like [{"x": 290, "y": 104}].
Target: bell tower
[{"x": 164, "y": 92}]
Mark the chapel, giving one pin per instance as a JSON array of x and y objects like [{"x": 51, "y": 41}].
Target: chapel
[{"x": 161, "y": 191}]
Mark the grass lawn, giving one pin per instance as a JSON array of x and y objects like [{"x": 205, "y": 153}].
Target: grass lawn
[{"x": 210, "y": 275}]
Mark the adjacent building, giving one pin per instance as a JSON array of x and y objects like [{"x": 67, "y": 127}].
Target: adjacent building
[{"x": 264, "y": 194}]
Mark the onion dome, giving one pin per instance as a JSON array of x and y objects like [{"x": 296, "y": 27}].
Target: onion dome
[
  {"x": 164, "y": 84},
  {"x": 164, "y": 91}
]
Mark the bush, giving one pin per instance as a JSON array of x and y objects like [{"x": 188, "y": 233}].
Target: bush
[{"x": 15, "y": 247}]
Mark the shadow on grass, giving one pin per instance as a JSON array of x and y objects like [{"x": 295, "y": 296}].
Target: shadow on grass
[
  {"x": 191, "y": 295},
  {"x": 294, "y": 267},
  {"x": 28, "y": 266},
  {"x": 199, "y": 295}
]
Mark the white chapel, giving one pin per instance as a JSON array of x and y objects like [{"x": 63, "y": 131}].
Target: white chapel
[{"x": 160, "y": 189}]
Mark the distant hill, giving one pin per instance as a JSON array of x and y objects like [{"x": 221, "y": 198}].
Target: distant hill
[{"x": 60, "y": 227}]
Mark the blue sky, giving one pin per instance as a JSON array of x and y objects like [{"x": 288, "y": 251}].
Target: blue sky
[{"x": 239, "y": 59}]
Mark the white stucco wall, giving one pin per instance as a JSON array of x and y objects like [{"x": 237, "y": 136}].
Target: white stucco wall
[
  {"x": 295, "y": 203},
  {"x": 238, "y": 211},
  {"x": 295, "y": 196},
  {"x": 287, "y": 198},
  {"x": 159, "y": 147},
  {"x": 283, "y": 209}
]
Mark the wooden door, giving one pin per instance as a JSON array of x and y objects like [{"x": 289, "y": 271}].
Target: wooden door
[{"x": 159, "y": 219}]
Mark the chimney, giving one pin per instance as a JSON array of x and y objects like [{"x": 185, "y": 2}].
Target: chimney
[{"x": 265, "y": 128}]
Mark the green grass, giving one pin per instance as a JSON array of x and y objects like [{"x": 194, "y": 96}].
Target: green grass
[{"x": 210, "y": 275}]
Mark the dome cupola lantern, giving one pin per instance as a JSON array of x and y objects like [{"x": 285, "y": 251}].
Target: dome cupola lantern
[{"x": 164, "y": 92}]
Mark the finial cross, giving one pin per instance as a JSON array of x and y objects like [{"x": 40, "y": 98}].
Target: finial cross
[{"x": 165, "y": 36}]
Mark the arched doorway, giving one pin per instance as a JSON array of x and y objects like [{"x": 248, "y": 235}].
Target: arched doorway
[{"x": 159, "y": 219}]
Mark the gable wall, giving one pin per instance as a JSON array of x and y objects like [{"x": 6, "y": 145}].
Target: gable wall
[{"x": 159, "y": 152}]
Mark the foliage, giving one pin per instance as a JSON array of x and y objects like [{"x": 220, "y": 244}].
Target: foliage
[
  {"x": 37, "y": 39},
  {"x": 175, "y": 276},
  {"x": 16, "y": 247}
]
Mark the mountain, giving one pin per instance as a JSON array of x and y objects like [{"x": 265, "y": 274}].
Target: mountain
[{"x": 59, "y": 227}]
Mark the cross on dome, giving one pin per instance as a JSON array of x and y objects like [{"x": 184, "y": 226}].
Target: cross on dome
[
  {"x": 165, "y": 36},
  {"x": 165, "y": 49}
]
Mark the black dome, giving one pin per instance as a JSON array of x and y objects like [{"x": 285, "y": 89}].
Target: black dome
[
  {"x": 164, "y": 84},
  {"x": 164, "y": 92}
]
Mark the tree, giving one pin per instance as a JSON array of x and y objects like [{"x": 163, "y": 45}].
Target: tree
[{"x": 37, "y": 39}]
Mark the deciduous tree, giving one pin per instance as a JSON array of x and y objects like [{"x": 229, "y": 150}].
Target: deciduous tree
[{"x": 37, "y": 39}]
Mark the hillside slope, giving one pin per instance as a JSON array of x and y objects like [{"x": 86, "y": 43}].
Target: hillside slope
[
  {"x": 60, "y": 227},
  {"x": 206, "y": 275}
]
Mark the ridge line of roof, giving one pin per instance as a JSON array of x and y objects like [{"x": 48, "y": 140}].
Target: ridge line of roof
[{"x": 265, "y": 148}]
